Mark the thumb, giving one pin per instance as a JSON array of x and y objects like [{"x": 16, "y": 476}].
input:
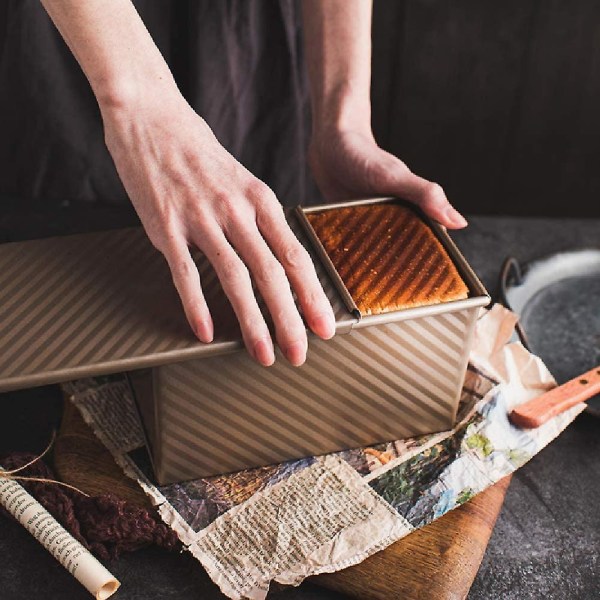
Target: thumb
[{"x": 427, "y": 195}]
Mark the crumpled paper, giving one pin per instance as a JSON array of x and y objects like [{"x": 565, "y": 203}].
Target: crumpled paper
[{"x": 320, "y": 514}]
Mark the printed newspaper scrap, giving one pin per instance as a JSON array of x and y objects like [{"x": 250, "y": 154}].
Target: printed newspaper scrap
[{"x": 320, "y": 514}]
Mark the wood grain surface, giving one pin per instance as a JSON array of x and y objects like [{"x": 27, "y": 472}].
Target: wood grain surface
[{"x": 438, "y": 562}]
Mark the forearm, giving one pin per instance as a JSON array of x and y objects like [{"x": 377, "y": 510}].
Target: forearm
[
  {"x": 113, "y": 47},
  {"x": 337, "y": 37}
]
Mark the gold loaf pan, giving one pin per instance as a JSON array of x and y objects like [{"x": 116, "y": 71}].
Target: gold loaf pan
[
  {"x": 388, "y": 376},
  {"x": 100, "y": 303}
]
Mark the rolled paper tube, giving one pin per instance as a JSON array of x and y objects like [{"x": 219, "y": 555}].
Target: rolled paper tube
[{"x": 56, "y": 539}]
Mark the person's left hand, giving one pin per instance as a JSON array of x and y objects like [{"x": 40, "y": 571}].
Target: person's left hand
[{"x": 349, "y": 164}]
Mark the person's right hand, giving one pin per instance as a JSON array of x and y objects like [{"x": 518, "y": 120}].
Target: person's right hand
[{"x": 189, "y": 191}]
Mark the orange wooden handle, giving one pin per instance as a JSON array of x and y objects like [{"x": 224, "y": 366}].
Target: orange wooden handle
[{"x": 539, "y": 410}]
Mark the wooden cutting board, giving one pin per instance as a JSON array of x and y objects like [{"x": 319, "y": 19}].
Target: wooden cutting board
[{"x": 437, "y": 562}]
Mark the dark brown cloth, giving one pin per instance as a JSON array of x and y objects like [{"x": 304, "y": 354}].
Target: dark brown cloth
[
  {"x": 105, "y": 524},
  {"x": 238, "y": 62}
]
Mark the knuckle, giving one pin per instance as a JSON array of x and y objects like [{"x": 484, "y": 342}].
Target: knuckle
[
  {"x": 259, "y": 191},
  {"x": 239, "y": 217},
  {"x": 167, "y": 226},
  {"x": 289, "y": 324},
  {"x": 295, "y": 256},
  {"x": 254, "y": 329},
  {"x": 316, "y": 299},
  {"x": 168, "y": 242},
  {"x": 233, "y": 271},
  {"x": 434, "y": 192},
  {"x": 222, "y": 198},
  {"x": 253, "y": 324},
  {"x": 180, "y": 269},
  {"x": 232, "y": 212},
  {"x": 269, "y": 272},
  {"x": 200, "y": 217},
  {"x": 291, "y": 335},
  {"x": 269, "y": 215},
  {"x": 224, "y": 205}
]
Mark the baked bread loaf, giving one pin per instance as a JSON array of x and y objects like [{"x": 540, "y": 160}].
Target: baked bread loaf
[{"x": 388, "y": 258}]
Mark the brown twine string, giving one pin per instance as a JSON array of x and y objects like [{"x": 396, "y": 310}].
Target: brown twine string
[
  {"x": 12, "y": 474},
  {"x": 105, "y": 524}
]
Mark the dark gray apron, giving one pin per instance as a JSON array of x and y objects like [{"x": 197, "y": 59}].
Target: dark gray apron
[{"x": 238, "y": 62}]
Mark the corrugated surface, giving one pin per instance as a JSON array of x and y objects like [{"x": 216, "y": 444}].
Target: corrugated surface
[
  {"x": 387, "y": 257},
  {"x": 99, "y": 303},
  {"x": 375, "y": 384}
]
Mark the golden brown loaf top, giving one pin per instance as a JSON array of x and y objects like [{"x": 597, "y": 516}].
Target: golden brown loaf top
[{"x": 387, "y": 257}]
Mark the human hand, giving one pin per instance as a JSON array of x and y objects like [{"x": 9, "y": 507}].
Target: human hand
[
  {"x": 349, "y": 164},
  {"x": 189, "y": 191}
]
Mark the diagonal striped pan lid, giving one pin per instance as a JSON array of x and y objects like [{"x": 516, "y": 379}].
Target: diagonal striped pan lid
[{"x": 91, "y": 304}]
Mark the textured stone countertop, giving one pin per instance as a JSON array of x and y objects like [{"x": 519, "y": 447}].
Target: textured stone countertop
[{"x": 547, "y": 539}]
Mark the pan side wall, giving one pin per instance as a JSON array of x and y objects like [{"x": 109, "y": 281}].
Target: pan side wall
[{"x": 376, "y": 384}]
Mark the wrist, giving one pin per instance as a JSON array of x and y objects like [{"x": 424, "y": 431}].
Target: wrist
[
  {"x": 128, "y": 93},
  {"x": 342, "y": 109},
  {"x": 132, "y": 114}
]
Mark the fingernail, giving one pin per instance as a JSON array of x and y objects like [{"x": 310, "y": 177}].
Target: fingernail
[
  {"x": 324, "y": 325},
  {"x": 455, "y": 217},
  {"x": 296, "y": 353},
  {"x": 263, "y": 352},
  {"x": 205, "y": 331}
]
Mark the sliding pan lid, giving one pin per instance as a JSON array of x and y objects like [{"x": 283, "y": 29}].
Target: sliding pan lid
[
  {"x": 84, "y": 304},
  {"x": 558, "y": 300},
  {"x": 90, "y": 304}
]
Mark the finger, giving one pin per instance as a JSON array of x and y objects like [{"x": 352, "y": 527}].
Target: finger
[
  {"x": 299, "y": 269},
  {"x": 235, "y": 280},
  {"x": 429, "y": 196},
  {"x": 274, "y": 287},
  {"x": 187, "y": 282}
]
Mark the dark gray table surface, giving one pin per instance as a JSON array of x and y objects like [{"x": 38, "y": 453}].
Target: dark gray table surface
[{"x": 547, "y": 539}]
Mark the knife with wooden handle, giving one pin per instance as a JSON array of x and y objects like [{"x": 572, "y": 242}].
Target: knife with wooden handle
[{"x": 536, "y": 412}]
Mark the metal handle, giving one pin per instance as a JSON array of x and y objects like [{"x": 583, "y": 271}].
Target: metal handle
[{"x": 511, "y": 272}]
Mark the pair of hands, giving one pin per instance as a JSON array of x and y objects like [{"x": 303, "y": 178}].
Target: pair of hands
[{"x": 190, "y": 192}]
